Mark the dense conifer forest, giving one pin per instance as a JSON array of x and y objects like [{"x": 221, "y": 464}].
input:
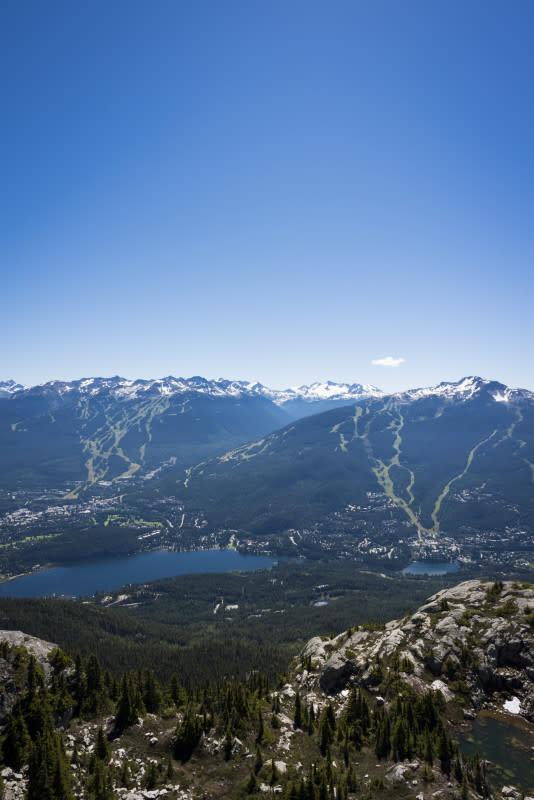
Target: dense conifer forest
[{"x": 170, "y": 625}]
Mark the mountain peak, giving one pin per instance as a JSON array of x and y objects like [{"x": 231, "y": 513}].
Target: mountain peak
[
  {"x": 468, "y": 388},
  {"x": 127, "y": 389},
  {"x": 10, "y": 387}
]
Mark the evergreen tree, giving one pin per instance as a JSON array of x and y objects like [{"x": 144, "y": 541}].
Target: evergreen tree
[
  {"x": 125, "y": 778},
  {"x": 258, "y": 760},
  {"x": 444, "y": 751},
  {"x": 102, "y": 747},
  {"x": 17, "y": 742},
  {"x": 152, "y": 696},
  {"x": 274, "y": 773},
  {"x": 227, "y": 745},
  {"x": 170, "y": 770},
  {"x": 31, "y": 677},
  {"x": 78, "y": 683},
  {"x": 48, "y": 775},
  {"x": 95, "y": 700},
  {"x": 429, "y": 750},
  {"x": 151, "y": 778},
  {"x": 251, "y": 785},
  {"x": 177, "y": 692},
  {"x": 297, "y": 723},
  {"x": 382, "y": 735},
  {"x": 188, "y": 735},
  {"x": 261, "y": 730},
  {"x": 99, "y": 785},
  {"x": 130, "y": 705}
]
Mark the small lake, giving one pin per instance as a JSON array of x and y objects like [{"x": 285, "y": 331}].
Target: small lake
[
  {"x": 508, "y": 743},
  {"x": 84, "y": 578},
  {"x": 430, "y": 568}
]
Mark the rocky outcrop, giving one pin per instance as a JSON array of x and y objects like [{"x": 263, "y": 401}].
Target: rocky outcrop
[
  {"x": 474, "y": 641},
  {"x": 38, "y": 648}
]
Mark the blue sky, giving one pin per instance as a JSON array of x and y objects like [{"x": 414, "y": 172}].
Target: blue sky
[{"x": 258, "y": 189}]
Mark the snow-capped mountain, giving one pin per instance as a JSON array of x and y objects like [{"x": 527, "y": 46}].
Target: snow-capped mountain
[
  {"x": 10, "y": 387},
  {"x": 310, "y": 398},
  {"x": 468, "y": 389},
  {"x": 107, "y": 428},
  {"x": 124, "y": 389}
]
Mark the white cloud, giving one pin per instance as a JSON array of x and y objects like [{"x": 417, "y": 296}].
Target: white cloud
[{"x": 388, "y": 361}]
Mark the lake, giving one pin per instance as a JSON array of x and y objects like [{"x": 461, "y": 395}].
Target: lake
[
  {"x": 508, "y": 743},
  {"x": 84, "y": 578},
  {"x": 430, "y": 568}
]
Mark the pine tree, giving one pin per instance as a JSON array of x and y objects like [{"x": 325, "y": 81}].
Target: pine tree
[
  {"x": 31, "y": 677},
  {"x": 95, "y": 700},
  {"x": 151, "y": 778},
  {"x": 17, "y": 742},
  {"x": 261, "y": 730},
  {"x": 39, "y": 718},
  {"x": 99, "y": 784},
  {"x": 170, "y": 770},
  {"x": 188, "y": 735},
  {"x": 125, "y": 778},
  {"x": 258, "y": 761},
  {"x": 429, "y": 750},
  {"x": 227, "y": 745},
  {"x": 130, "y": 705},
  {"x": 311, "y": 720},
  {"x": 251, "y": 785},
  {"x": 177, "y": 692},
  {"x": 274, "y": 773},
  {"x": 444, "y": 751},
  {"x": 102, "y": 748},
  {"x": 298, "y": 712},
  {"x": 152, "y": 696},
  {"x": 48, "y": 775},
  {"x": 78, "y": 683}
]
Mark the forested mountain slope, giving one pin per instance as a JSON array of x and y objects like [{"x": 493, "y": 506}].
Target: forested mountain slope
[{"x": 449, "y": 456}]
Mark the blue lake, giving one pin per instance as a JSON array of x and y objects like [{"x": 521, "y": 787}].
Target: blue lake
[
  {"x": 87, "y": 577},
  {"x": 430, "y": 568}
]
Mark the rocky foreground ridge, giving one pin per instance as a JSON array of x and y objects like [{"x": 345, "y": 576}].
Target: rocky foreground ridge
[
  {"x": 474, "y": 642},
  {"x": 369, "y": 714}
]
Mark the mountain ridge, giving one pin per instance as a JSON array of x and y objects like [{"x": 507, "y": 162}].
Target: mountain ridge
[
  {"x": 441, "y": 459},
  {"x": 124, "y": 388}
]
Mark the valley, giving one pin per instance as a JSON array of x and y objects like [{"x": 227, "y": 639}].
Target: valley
[{"x": 108, "y": 474}]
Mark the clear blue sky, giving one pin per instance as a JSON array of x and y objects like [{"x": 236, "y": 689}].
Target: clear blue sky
[{"x": 268, "y": 189}]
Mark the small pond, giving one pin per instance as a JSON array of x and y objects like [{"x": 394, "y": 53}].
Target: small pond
[{"x": 506, "y": 741}]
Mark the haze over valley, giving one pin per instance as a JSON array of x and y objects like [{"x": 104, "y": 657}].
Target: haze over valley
[{"x": 445, "y": 471}]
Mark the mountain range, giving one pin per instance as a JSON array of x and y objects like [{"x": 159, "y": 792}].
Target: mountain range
[
  {"x": 432, "y": 460},
  {"x": 107, "y": 428}
]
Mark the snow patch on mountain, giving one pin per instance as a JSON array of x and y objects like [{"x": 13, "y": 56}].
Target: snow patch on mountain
[
  {"x": 317, "y": 392},
  {"x": 466, "y": 389},
  {"x": 124, "y": 389},
  {"x": 10, "y": 387}
]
